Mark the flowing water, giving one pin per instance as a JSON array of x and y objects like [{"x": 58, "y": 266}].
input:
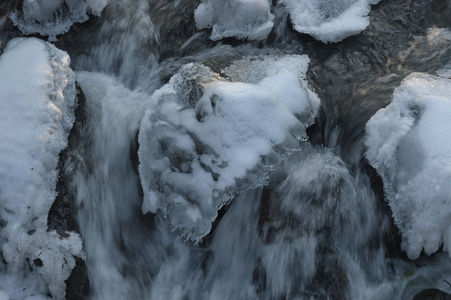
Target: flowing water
[{"x": 320, "y": 229}]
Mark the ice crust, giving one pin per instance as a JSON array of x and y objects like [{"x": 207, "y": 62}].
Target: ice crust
[
  {"x": 243, "y": 19},
  {"x": 54, "y": 17},
  {"x": 37, "y": 99},
  {"x": 208, "y": 139},
  {"x": 329, "y": 20},
  {"x": 409, "y": 144}
]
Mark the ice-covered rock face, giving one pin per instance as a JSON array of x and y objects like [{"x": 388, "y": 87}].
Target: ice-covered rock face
[
  {"x": 37, "y": 99},
  {"x": 329, "y": 20},
  {"x": 409, "y": 144},
  {"x": 196, "y": 154},
  {"x": 53, "y": 17},
  {"x": 243, "y": 19}
]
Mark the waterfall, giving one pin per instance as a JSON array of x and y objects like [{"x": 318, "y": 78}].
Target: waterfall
[{"x": 236, "y": 150}]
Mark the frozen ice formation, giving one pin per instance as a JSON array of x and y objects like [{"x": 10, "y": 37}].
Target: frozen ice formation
[
  {"x": 37, "y": 99},
  {"x": 329, "y": 20},
  {"x": 54, "y": 17},
  {"x": 207, "y": 139},
  {"x": 409, "y": 144},
  {"x": 243, "y": 19}
]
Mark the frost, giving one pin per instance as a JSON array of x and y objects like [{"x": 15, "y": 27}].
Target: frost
[
  {"x": 53, "y": 17},
  {"x": 244, "y": 19},
  {"x": 208, "y": 139},
  {"x": 329, "y": 20},
  {"x": 409, "y": 145},
  {"x": 37, "y": 99}
]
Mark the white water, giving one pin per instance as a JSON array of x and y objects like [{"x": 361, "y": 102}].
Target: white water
[
  {"x": 315, "y": 230},
  {"x": 106, "y": 187}
]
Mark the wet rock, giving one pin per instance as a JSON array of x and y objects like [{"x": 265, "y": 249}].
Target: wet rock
[
  {"x": 77, "y": 285},
  {"x": 62, "y": 214},
  {"x": 7, "y": 30},
  {"x": 432, "y": 294}
]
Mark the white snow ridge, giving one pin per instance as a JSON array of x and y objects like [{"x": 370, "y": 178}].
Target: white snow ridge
[
  {"x": 409, "y": 144},
  {"x": 37, "y": 99}
]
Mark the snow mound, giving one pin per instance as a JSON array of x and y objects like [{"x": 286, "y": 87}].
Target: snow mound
[
  {"x": 53, "y": 17},
  {"x": 37, "y": 99},
  {"x": 409, "y": 144},
  {"x": 329, "y": 20},
  {"x": 243, "y": 19},
  {"x": 208, "y": 139}
]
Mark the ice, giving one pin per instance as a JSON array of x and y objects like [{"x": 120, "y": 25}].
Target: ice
[
  {"x": 37, "y": 99},
  {"x": 408, "y": 143},
  {"x": 208, "y": 139},
  {"x": 54, "y": 17},
  {"x": 329, "y": 20},
  {"x": 243, "y": 19}
]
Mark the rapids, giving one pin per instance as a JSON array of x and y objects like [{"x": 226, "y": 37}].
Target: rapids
[{"x": 315, "y": 225}]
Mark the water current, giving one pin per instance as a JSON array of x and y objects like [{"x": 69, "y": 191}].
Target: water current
[{"x": 319, "y": 229}]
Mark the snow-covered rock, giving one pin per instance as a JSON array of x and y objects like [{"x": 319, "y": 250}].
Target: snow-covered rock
[
  {"x": 37, "y": 100},
  {"x": 207, "y": 139},
  {"x": 54, "y": 17},
  {"x": 243, "y": 19},
  {"x": 329, "y": 20},
  {"x": 409, "y": 144}
]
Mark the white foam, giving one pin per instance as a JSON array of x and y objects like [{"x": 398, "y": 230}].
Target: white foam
[
  {"x": 329, "y": 20},
  {"x": 195, "y": 154},
  {"x": 410, "y": 146},
  {"x": 3, "y": 295},
  {"x": 37, "y": 99},
  {"x": 54, "y": 17},
  {"x": 243, "y": 19}
]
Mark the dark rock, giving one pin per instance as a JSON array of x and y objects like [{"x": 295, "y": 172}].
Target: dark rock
[
  {"x": 38, "y": 262},
  {"x": 432, "y": 294},
  {"x": 77, "y": 285},
  {"x": 62, "y": 214},
  {"x": 7, "y": 30}
]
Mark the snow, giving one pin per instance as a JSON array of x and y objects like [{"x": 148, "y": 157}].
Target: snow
[
  {"x": 37, "y": 99},
  {"x": 408, "y": 143},
  {"x": 54, "y": 17},
  {"x": 329, "y": 20},
  {"x": 207, "y": 139},
  {"x": 243, "y": 19}
]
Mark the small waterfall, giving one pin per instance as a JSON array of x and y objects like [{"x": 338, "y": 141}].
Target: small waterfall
[
  {"x": 316, "y": 231},
  {"x": 107, "y": 189},
  {"x": 317, "y": 227}
]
